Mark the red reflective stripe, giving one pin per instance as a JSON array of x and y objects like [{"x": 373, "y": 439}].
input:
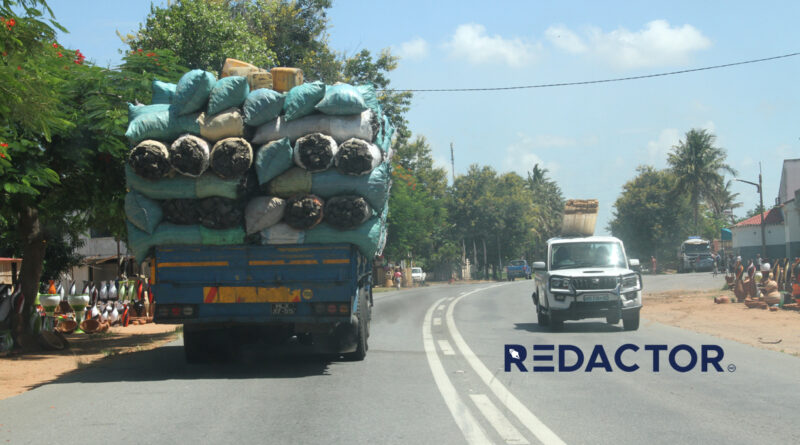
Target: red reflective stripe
[{"x": 212, "y": 295}]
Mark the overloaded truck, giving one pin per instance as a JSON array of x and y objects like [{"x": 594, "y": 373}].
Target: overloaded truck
[
  {"x": 586, "y": 276},
  {"x": 260, "y": 202},
  {"x": 694, "y": 254}
]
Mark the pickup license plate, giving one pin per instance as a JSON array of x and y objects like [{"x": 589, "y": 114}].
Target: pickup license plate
[
  {"x": 284, "y": 308},
  {"x": 594, "y": 298}
]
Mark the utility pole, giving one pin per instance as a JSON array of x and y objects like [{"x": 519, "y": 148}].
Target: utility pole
[
  {"x": 763, "y": 210},
  {"x": 453, "y": 163}
]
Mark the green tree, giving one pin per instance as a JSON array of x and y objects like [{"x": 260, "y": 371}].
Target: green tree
[
  {"x": 699, "y": 168},
  {"x": 648, "y": 217},
  {"x": 548, "y": 208},
  {"x": 63, "y": 145},
  {"x": 203, "y": 33}
]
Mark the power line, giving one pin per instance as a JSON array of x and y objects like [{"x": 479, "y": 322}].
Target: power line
[{"x": 589, "y": 82}]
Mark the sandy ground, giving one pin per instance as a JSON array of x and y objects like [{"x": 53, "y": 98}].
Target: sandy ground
[
  {"x": 24, "y": 371},
  {"x": 779, "y": 330}
]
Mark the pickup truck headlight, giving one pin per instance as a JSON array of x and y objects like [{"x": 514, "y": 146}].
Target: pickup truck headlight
[
  {"x": 631, "y": 283},
  {"x": 559, "y": 284}
]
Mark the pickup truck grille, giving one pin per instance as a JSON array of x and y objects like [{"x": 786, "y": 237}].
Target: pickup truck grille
[{"x": 594, "y": 283}]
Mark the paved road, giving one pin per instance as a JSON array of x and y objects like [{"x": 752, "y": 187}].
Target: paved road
[
  {"x": 697, "y": 281},
  {"x": 434, "y": 374}
]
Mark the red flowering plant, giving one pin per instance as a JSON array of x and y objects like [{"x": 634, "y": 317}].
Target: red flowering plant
[{"x": 62, "y": 143}]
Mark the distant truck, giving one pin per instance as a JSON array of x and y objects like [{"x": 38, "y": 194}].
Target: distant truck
[
  {"x": 518, "y": 269},
  {"x": 694, "y": 255},
  {"x": 317, "y": 295},
  {"x": 418, "y": 275}
]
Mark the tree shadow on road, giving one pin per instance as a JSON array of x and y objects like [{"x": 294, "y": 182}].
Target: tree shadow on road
[{"x": 592, "y": 327}]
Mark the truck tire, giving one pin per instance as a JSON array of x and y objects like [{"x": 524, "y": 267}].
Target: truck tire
[
  {"x": 195, "y": 345},
  {"x": 631, "y": 323},
  {"x": 361, "y": 342},
  {"x": 542, "y": 318},
  {"x": 612, "y": 320}
]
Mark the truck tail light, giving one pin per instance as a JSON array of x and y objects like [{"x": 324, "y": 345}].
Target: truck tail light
[{"x": 175, "y": 311}]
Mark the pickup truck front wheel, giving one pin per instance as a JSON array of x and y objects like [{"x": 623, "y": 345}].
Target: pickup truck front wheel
[
  {"x": 542, "y": 318},
  {"x": 631, "y": 322}
]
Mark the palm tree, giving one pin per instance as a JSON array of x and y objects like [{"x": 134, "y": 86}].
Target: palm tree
[{"x": 699, "y": 167}]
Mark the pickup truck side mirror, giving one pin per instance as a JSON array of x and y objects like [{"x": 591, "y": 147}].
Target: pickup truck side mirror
[{"x": 539, "y": 265}]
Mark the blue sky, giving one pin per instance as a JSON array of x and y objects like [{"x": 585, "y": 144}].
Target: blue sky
[{"x": 592, "y": 137}]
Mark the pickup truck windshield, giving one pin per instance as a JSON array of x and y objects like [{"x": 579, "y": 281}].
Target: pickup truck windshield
[{"x": 576, "y": 255}]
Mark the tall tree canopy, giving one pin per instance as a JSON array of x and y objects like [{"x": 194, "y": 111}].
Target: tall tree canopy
[{"x": 699, "y": 169}]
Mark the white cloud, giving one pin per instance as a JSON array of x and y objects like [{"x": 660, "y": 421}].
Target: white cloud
[
  {"x": 562, "y": 37},
  {"x": 521, "y": 156},
  {"x": 657, "y": 44},
  {"x": 413, "y": 49},
  {"x": 658, "y": 149},
  {"x": 471, "y": 42}
]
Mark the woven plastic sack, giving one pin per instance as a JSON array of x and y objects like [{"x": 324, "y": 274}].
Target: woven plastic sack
[
  {"x": 228, "y": 92},
  {"x": 295, "y": 181},
  {"x": 340, "y": 128},
  {"x": 367, "y": 237},
  {"x": 384, "y": 139},
  {"x": 273, "y": 159},
  {"x": 231, "y": 158},
  {"x": 227, "y": 124},
  {"x": 370, "y": 98},
  {"x": 135, "y": 111},
  {"x": 142, "y": 211},
  {"x": 141, "y": 244},
  {"x": 341, "y": 99},
  {"x": 262, "y": 106},
  {"x": 163, "y": 92},
  {"x": 357, "y": 157},
  {"x": 189, "y": 155},
  {"x": 208, "y": 184},
  {"x": 161, "y": 126},
  {"x": 263, "y": 212},
  {"x": 301, "y": 100},
  {"x": 347, "y": 212},
  {"x": 374, "y": 187},
  {"x": 281, "y": 233},
  {"x": 150, "y": 159},
  {"x": 315, "y": 152},
  {"x": 304, "y": 212},
  {"x": 192, "y": 92}
]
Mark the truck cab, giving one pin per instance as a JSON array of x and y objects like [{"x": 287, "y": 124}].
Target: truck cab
[
  {"x": 518, "y": 269},
  {"x": 587, "y": 277}
]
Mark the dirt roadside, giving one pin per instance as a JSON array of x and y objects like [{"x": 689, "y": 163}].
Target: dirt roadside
[
  {"x": 24, "y": 371},
  {"x": 778, "y": 330}
]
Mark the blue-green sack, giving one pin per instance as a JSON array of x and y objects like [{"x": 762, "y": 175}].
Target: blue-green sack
[
  {"x": 192, "y": 92},
  {"x": 141, "y": 244},
  {"x": 142, "y": 211},
  {"x": 370, "y": 98},
  {"x": 162, "y": 126},
  {"x": 163, "y": 92},
  {"x": 135, "y": 111},
  {"x": 301, "y": 100},
  {"x": 273, "y": 159},
  {"x": 206, "y": 185},
  {"x": 228, "y": 92},
  {"x": 367, "y": 237},
  {"x": 341, "y": 99},
  {"x": 262, "y": 106},
  {"x": 374, "y": 187}
]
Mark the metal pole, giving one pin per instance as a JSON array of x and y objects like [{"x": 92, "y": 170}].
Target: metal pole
[
  {"x": 453, "y": 162},
  {"x": 761, "y": 202}
]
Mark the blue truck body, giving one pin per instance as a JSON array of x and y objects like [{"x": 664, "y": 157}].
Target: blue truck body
[{"x": 319, "y": 293}]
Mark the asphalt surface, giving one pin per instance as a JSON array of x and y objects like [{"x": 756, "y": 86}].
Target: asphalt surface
[{"x": 434, "y": 374}]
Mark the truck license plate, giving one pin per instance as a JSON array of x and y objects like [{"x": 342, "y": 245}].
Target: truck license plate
[
  {"x": 284, "y": 308},
  {"x": 593, "y": 298}
]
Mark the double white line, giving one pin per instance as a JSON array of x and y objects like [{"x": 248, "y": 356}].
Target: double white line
[{"x": 469, "y": 426}]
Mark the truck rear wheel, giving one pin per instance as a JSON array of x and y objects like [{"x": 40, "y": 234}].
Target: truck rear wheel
[
  {"x": 195, "y": 345},
  {"x": 363, "y": 329},
  {"x": 208, "y": 345}
]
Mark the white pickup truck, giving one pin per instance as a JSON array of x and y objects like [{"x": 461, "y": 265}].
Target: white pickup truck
[
  {"x": 587, "y": 277},
  {"x": 417, "y": 275}
]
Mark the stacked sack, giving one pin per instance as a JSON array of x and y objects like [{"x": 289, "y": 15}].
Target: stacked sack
[{"x": 230, "y": 161}]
